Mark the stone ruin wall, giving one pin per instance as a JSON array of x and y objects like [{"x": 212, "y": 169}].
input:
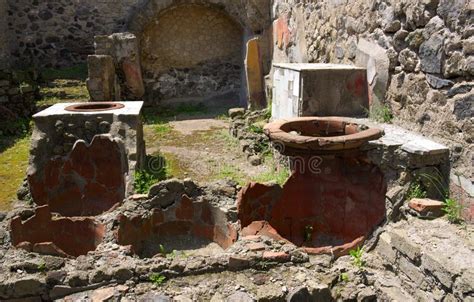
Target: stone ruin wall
[
  {"x": 418, "y": 53},
  {"x": 3, "y": 35},
  {"x": 61, "y": 33}
]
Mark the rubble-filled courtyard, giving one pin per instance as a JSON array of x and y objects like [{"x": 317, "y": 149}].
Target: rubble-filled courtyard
[{"x": 197, "y": 150}]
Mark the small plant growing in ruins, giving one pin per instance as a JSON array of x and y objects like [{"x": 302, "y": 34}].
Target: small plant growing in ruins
[
  {"x": 264, "y": 265},
  {"x": 380, "y": 113},
  {"x": 416, "y": 191},
  {"x": 162, "y": 129},
  {"x": 227, "y": 171},
  {"x": 279, "y": 176},
  {"x": 222, "y": 117},
  {"x": 157, "y": 279},
  {"x": 143, "y": 181},
  {"x": 453, "y": 210},
  {"x": 344, "y": 277},
  {"x": 308, "y": 233},
  {"x": 256, "y": 129},
  {"x": 41, "y": 267},
  {"x": 162, "y": 250},
  {"x": 268, "y": 111},
  {"x": 356, "y": 256}
]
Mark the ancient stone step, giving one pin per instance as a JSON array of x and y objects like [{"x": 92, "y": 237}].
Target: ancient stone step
[{"x": 435, "y": 256}]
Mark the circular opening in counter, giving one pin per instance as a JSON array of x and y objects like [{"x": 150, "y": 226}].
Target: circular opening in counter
[{"x": 93, "y": 107}]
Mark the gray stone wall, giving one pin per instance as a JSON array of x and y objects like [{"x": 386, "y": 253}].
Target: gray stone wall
[
  {"x": 61, "y": 33},
  {"x": 18, "y": 95},
  {"x": 4, "y": 50},
  {"x": 419, "y": 56}
]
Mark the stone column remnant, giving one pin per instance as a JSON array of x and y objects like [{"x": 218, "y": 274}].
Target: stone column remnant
[
  {"x": 254, "y": 74},
  {"x": 102, "y": 78},
  {"x": 373, "y": 57},
  {"x": 123, "y": 48}
]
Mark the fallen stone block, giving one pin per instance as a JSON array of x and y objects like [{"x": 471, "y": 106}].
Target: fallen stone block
[{"x": 426, "y": 207}]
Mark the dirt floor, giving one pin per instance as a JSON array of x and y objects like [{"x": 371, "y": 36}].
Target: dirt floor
[{"x": 198, "y": 146}]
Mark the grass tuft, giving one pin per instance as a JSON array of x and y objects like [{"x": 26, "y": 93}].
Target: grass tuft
[
  {"x": 156, "y": 171},
  {"x": 76, "y": 72},
  {"x": 157, "y": 279},
  {"x": 356, "y": 256},
  {"x": 416, "y": 191},
  {"x": 380, "y": 113},
  {"x": 453, "y": 210}
]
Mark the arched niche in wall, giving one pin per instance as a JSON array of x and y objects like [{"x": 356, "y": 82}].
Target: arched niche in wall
[{"x": 192, "y": 51}]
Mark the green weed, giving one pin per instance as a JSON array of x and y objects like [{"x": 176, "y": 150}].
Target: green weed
[
  {"x": 77, "y": 72},
  {"x": 41, "y": 267},
  {"x": 222, "y": 117},
  {"x": 268, "y": 111},
  {"x": 156, "y": 171},
  {"x": 344, "y": 277},
  {"x": 227, "y": 138},
  {"x": 308, "y": 233},
  {"x": 380, "y": 113},
  {"x": 453, "y": 210},
  {"x": 21, "y": 126},
  {"x": 356, "y": 256},
  {"x": 230, "y": 172},
  {"x": 160, "y": 115},
  {"x": 144, "y": 180},
  {"x": 416, "y": 191},
  {"x": 436, "y": 181},
  {"x": 162, "y": 250},
  {"x": 277, "y": 175},
  {"x": 256, "y": 129},
  {"x": 157, "y": 279},
  {"x": 163, "y": 129}
]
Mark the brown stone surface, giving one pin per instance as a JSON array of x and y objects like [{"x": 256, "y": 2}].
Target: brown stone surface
[
  {"x": 426, "y": 206},
  {"x": 89, "y": 181},
  {"x": 56, "y": 236},
  {"x": 254, "y": 73}
]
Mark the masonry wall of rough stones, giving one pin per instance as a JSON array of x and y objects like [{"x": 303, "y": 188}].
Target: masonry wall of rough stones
[
  {"x": 4, "y": 51},
  {"x": 61, "y": 33},
  {"x": 419, "y": 56},
  {"x": 18, "y": 94}
]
